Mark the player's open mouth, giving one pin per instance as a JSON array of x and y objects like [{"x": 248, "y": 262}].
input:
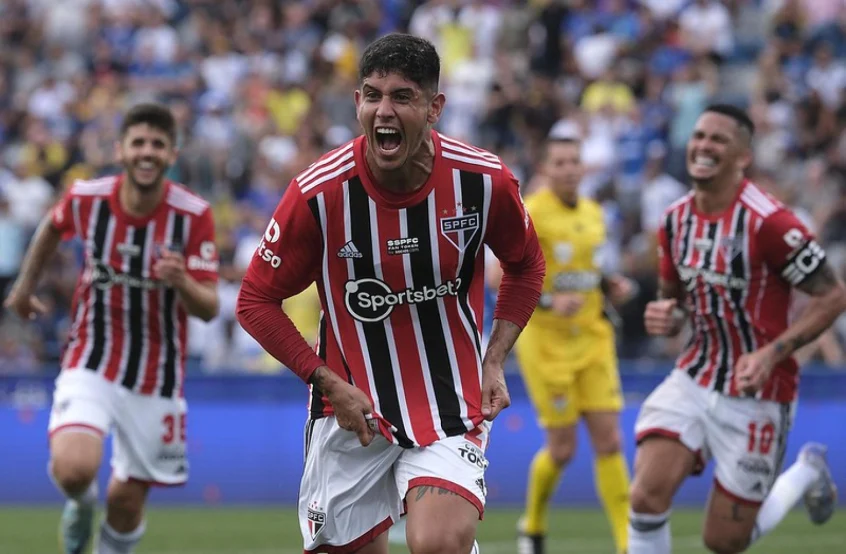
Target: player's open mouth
[
  {"x": 388, "y": 140},
  {"x": 146, "y": 170},
  {"x": 702, "y": 162}
]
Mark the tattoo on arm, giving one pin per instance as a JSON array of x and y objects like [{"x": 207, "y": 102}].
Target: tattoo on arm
[
  {"x": 323, "y": 378},
  {"x": 431, "y": 491},
  {"x": 503, "y": 336},
  {"x": 818, "y": 286},
  {"x": 820, "y": 282},
  {"x": 792, "y": 345}
]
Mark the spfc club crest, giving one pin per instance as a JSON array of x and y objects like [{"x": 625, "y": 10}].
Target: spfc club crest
[
  {"x": 316, "y": 519},
  {"x": 459, "y": 230},
  {"x": 730, "y": 248}
]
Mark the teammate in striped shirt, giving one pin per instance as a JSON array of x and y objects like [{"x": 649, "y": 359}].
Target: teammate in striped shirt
[
  {"x": 150, "y": 262},
  {"x": 730, "y": 256},
  {"x": 392, "y": 226}
]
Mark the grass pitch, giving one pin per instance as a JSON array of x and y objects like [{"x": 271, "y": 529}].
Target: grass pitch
[{"x": 236, "y": 530}]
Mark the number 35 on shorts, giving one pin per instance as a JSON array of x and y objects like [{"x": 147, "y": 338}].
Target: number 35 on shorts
[{"x": 174, "y": 426}]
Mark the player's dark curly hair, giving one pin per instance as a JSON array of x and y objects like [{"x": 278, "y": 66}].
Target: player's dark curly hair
[
  {"x": 154, "y": 115},
  {"x": 412, "y": 57}
]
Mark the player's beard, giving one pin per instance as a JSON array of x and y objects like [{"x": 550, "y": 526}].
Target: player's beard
[{"x": 145, "y": 183}]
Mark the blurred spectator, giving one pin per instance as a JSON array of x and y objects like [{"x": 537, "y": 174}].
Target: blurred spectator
[
  {"x": 707, "y": 29},
  {"x": 12, "y": 242}
]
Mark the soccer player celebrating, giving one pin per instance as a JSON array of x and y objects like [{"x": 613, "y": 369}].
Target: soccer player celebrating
[
  {"x": 729, "y": 256},
  {"x": 392, "y": 226},
  {"x": 150, "y": 261},
  {"x": 567, "y": 352}
]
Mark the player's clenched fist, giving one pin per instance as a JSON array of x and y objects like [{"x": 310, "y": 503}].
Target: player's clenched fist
[{"x": 663, "y": 318}]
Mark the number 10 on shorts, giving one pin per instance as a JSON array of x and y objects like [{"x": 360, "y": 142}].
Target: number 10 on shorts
[
  {"x": 760, "y": 440},
  {"x": 172, "y": 423}
]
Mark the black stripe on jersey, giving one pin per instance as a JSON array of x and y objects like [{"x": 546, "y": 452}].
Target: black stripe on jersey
[
  {"x": 136, "y": 310},
  {"x": 315, "y": 211},
  {"x": 434, "y": 340},
  {"x": 362, "y": 230},
  {"x": 668, "y": 230},
  {"x": 738, "y": 269},
  {"x": 177, "y": 239},
  {"x": 687, "y": 239},
  {"x": 99, "y": 256},
  {"x": 717, "y": 313},
  {"x": 472, "y": 195},
  {"x": 317, "y": 405},
  {"x": 688, "y": 223}
]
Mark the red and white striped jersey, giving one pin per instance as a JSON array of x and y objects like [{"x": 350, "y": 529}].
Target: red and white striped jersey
[
  {"x": 401, "y": 278},
  {"x": 737, "y": 270},
  {"x": 127, "y": 326}
]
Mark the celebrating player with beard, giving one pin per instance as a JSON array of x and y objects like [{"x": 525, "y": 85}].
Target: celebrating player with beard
[{"x": 150, "y": 261}]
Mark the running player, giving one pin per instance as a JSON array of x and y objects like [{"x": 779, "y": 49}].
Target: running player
[
  {"x": 150, "y": 262},
  {"x": 730, "y": 255}
]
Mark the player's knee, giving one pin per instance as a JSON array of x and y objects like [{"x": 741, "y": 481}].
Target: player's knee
[
  {"x": 73, "y": 474},
  {"x": 646, "y": 499},
  {"x": 724, "y": 544},
  {"x": 458, "y": 540},
  {"x": 608, "y": 444},
  {"x": 561, "y": 453},
  {"x": 125, "y": 506}
]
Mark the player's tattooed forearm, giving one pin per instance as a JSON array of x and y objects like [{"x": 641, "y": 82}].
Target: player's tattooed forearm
[
  {"x": 820, "y": 282},
  {"x": 794, "y": 344},
  {"x": 321, "y": 377},
  {"x": 430, "y": 490}
]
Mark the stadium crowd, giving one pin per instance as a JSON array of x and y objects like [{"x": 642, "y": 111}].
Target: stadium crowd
[{"x": 261, "y": 88}]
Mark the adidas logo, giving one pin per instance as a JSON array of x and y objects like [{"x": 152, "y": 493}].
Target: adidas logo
[{"x": 349, "y": 251}]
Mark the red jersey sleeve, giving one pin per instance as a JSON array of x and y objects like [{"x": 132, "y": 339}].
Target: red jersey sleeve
[
  {"x": 201, "y": 257},
  {"x": 513, "y": 240},
  {"x": 286, "y": 262},
  {"x": 666, "y": 268},
  {"x": 61, "y": 216},
  {"x": 789, "y": 248}
]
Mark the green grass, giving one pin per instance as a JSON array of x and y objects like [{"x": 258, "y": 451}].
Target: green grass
[{"x": 275, "y": 531}]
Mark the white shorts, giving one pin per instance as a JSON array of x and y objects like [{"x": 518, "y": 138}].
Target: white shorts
[
  {"x": 350, "y": 494},
  {"x": 149, "y": 431},
  {"x": 746, "y": 437}
]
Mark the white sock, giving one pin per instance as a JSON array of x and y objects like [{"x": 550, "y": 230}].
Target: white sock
[
  {"x": 786, "y": 492},
  {"x": 649, "y": 533},
  {"x": 110, "y": 541}
]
